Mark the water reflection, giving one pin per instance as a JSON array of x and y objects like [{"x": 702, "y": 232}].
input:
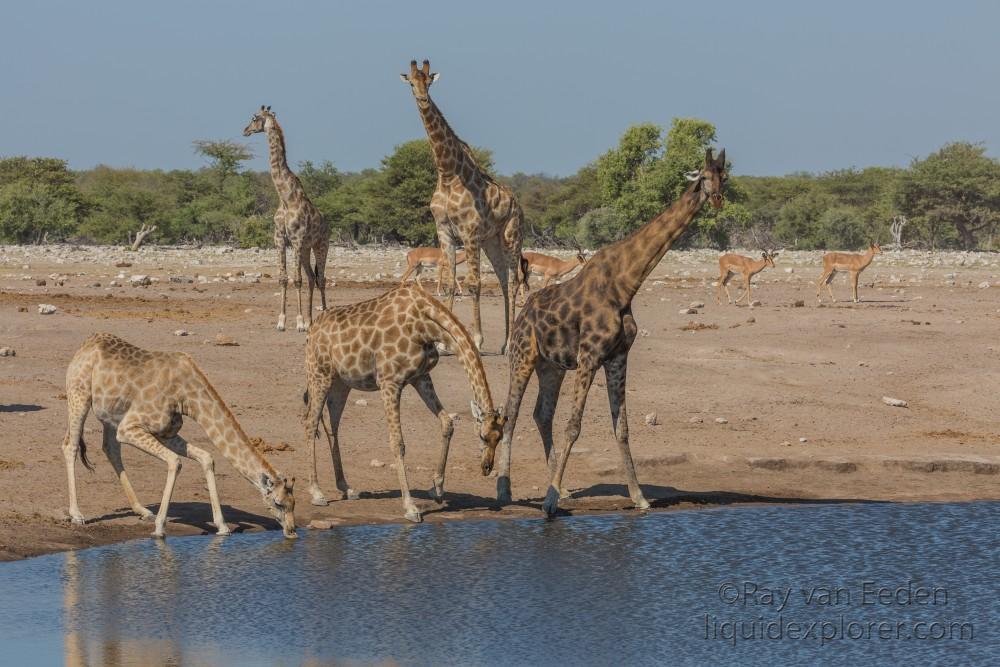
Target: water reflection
[{"x": 597, "y": 590}]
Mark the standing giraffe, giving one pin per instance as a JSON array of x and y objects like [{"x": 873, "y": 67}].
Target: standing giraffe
[
  {"x": 384, "y": 344},
  {"x": 469, "y": 208},
  {"x": 141, "y": 398},
  {"x": 297, "y": 223},
  {"x": 586, "y": 323}
]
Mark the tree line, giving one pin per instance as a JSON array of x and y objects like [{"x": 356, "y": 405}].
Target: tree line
[{"x": 948, "y": 199}]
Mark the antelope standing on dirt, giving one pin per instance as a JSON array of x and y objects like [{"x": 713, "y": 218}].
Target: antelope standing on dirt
[
  {"x": 845, "y": 261},
  {"x": 586, "y": 324},
  {"x": 730, "y": 264},
  {"x": 141, "y": 398},
  {"x": 382, "y": 345},
  {"x": 419, "y": 259},
  {"x": 550, "y": 268}
]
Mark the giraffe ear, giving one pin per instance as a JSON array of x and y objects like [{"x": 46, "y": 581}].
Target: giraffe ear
[
  {"x": 477, "y": 412},
  {"x": 405, "y": 78},
  {"x": 266, "y": 483},
  {"x": 434, "y": 76}
]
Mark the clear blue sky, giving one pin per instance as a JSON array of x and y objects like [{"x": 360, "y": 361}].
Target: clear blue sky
[{"x": 547, "y": 86}]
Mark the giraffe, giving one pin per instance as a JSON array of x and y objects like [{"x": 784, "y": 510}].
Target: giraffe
[
  {"x": 586, "y": 323},
  {"x": 470, "y": 208},
  {"x": 297, "y": 223},
  {"x": 384, "y": 344},
  {"x": 141, "y": 398}
]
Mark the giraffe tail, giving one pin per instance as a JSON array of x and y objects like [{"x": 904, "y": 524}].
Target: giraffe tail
[{"x": 83, "y": 455}]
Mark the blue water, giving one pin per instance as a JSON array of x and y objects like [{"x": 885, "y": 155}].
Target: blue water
[{"x": 667, "y": 588}]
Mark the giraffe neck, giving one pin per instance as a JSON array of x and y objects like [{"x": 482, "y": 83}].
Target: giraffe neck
[
  {"x": 643, "y": 249},
  {"x": 466, "y": 351},
  {"x": 206, "y": 407},
  {"x": 449, "y": 151},
  {"x": 285, "y": 181}
]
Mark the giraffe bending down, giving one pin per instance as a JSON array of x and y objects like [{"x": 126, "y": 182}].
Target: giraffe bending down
[
  {"x": 384, "y": 344},
  {"x": 297, "y": 223},
  {"x": 141, "y": 398},
  {"x": 586, "y": 323},
  {"x": 470, "y": 209}
]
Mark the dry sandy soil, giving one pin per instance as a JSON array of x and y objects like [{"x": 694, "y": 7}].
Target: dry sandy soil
[{"x": 779, "y": 404}]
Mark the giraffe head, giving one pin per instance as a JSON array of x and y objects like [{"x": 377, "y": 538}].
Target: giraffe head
[
  {"x": 491, "y": 425},
  {"x": 259, "y": 122},
  {"x": 420, "y": 80},
  {"x": 711, "y": 179},
  {"x": 280, "y": 501}
]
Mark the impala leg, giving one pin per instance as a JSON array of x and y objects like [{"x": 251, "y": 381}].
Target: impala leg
[
  {"x": 584, "y": 378},
  {"x": 829, "y": 289},
  {"x": 746, "y": 289},
  {"x": 854, "y": 285}
]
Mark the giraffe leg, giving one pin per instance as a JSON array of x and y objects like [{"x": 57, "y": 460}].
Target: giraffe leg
[
  {"x": 304, "y": 324},
  {"x": 279, "y": 242},
  {"x": 550, "y": 379},
  {"x": 79, "y": 406},
  {"x": 425, "y": 387},
  {"x": 316, "y": 396},
  {"x": 113, "y": 450},
  {"x": 503, "y": 268},
  {"x": 335, "y": 402},
  {"x": 321, "y": 251},
  {"x": 584, "y": 378},
  {"x": 614, "y": 372},
  {"x": 182, "y": 447},
  {"x": 132, "y": 433},
  {"x": 473, "y": 283},
  {"x": 523, "y": 357},
  {"x": 390, "y": 398}
]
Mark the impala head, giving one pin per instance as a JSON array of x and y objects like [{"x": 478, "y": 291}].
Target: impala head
[
  {"x": 490, "y": 433},
  {"x": 768, "y": 258},
  {"x": 259, "y": 122},
  {"x": 711, "y": 178},
  {"x": 875, "y": 248},
  {"x": 280, "y": 501},
  {"x": 420, "y": 80}
]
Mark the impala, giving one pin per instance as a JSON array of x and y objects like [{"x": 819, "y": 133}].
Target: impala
[
  {"x": 730, "y": 264},
  {"x": 550, "y": 268},
  {"x": 845, "y": 261},
  {"x": 419, "y": 259}
]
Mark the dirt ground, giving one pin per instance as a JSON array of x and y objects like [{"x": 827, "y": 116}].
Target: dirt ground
[{"x": 781, "y": 403}]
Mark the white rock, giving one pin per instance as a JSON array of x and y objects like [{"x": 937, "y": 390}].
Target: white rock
[
  {"x": 695, "y": 420},
  {"x": 803, "y": 440},
  {"x": 687, "y": 311},
  {"x": 140, "y": 281},
  {"x": 984, "y": 285},
  {"x": 7, "y": 352},
  {"x": 46, "y": 309},
  {"x": 376, "y": 464},
  {"x": 696, "y": 304},
  {"x": 182, "y": 332},
  {"x": 651, "y": 419},
  {"x": 362, "y": 402},
  {"x": 721, "y": 420},
  {"x": 894, "y": 402},
  {"x": 643, "y": 333}
]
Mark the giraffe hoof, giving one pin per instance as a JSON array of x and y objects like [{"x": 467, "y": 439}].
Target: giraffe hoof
[
  {"x": 222, "y": 529},
  {"x": 551, "y": 504},
  {"x": 319, "y": 501},
  {"x": 503, "y": 490},
  {"x": 146, "y": 516},
  {"x": 437, "y": 494},
  {"x": 159, "y": 535},
  {"x": 413, "y": 515},
  {"x": 351, "y": 494},
  {"x": 641, "y": 504},
  {"x": 565, "y": 493},
  {"x": 77, "y": 520}
]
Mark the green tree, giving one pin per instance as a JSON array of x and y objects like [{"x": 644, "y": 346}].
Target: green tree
[
  {"x": 224, "y": 157},
  {"x": 39, "y": 200},
  {"x": 957, "y": 186}
]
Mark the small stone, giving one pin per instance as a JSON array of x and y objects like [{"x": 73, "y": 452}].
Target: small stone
[
  {"x": 894, "y": 402},
  {"x": 453, "y": 416},
  {"x": 862, "y": 363},
  {"x": 376, "y": 464},
  {"x": 803, "y": 440},
  {"x": 651, "y": 419},
  {"x": 687, "y": 311},
  {"x": 7, "y": 352},
  {"x": 751, "y": 320},
  {"x": 46, "y": 309},
  {"x": 721, "y": 420},
  {"x": 182, "y": 332},
  {"x": 123, "y": 265},
  {"x": 696, "y": 304},
  {"x": 140, "y": 281},
  {"x": 984, "y": 285},
  {"x": 40, "y": 282},
  {"x": 361, "y": 402},
  {"x": 644, "y": 333},
  {"x": 695, "y": 420},
  {"x": 755, "y": 303},
  {"x": 320, "y": 524},
  {"x": 223, "y": 340},
  {"x": 22, "y": 309},
  {"x": 786, "y": 443},
  {"x": 799, "y": 304}
]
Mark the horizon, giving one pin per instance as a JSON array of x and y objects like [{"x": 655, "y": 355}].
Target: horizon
[{"x": 856, "y": 94}]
